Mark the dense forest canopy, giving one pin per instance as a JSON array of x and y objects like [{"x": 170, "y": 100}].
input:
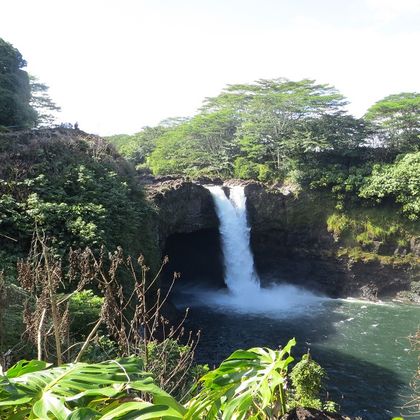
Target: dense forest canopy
[
  {"x": 297, "y": 132},
  {"x": 15, "y": 92}
]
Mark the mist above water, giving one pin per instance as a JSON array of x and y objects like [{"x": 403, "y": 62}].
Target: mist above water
[{"x": 274, "y": 301}]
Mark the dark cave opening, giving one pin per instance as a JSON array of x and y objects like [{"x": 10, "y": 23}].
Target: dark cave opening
[{"x": 197, "y": 256}]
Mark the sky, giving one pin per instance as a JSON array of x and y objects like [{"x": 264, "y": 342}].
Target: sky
[{"x": 116, "y": 66}]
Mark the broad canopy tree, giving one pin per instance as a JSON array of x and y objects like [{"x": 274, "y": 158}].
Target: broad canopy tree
[
  {"x": 276, "y": 119},
  {"x": 202, "y": 145},
  {"x": 397, "y": 119},
  {"x": 270, "y": 123}
]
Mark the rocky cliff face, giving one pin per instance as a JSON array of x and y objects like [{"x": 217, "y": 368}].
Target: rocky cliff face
[
  {"x": 289, "y": 237},
  {"x": 291, "y": 242},
  {"x": 183, "y": 207}
]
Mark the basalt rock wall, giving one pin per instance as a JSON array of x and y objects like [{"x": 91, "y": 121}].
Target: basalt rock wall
[
  {"x": 291, "y": 243},
  {"x": 289, "y": 238},
  {"x": 183, "y": 207}
]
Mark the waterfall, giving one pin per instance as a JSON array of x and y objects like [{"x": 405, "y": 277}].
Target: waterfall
[
  {"x": 240, "y": 276},
  {"x": 244, "y": 294}
]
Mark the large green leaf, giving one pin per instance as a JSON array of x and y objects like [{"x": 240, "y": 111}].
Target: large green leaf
[
  {"x": 91, "y": 390},
  {"x": 25, "y": 366},
  {"x": 143, "y": 411},
  {"x": 84, "y": 413},
  {"x": 247, "y": 384}
]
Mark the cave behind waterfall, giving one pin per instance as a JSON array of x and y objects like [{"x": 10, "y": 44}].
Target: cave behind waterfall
[{"x": 197, "y": 256}]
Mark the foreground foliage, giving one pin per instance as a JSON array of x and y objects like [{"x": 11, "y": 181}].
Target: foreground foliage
[
  {"x": 67, "y": 322},
  {"x": 107, "y": 390},
  {"x": 247, "y": 385}
]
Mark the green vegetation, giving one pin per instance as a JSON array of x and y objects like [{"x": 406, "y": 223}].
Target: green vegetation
[
  {"x": 294, "y": 132},
  {"x": 398, "y": 120},
  {"x": 267, "y": 123},
  {"x": 62, "y": 191},
  {"x": 106, "y": 390},
  {"x": 42, "y": 104},
  {"x": 24, "y": 101},
  {"x": 15, "y": 91},
  {"x": 147, "y": 376},
  {"x": 93, "y": 307},
  {"x": 71, "y": 186},
  {"x": 399, "y": 181},
  {"x": 253, "y": 384},
  {"x": 137, "y": 148},
  {"x": 248, "y": 384},
  {"x": 306, "y": 378},
  {"x": 370, "y": 228}
]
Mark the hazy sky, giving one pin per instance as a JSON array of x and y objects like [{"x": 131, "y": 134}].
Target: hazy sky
[{"x": 116, "y": 66}]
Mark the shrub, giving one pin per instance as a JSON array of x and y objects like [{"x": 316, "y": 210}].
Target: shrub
[{"x": 307, "y": 377}]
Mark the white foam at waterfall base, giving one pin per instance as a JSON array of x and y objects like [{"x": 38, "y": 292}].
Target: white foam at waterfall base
[
  {"x": 274, "y": 301},
  {"x": 244, "y": 293}
]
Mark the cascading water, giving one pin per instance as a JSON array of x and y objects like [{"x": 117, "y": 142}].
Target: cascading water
[
  {"x": 244, "y": 293},
  {"x": 240, "y": 276}
]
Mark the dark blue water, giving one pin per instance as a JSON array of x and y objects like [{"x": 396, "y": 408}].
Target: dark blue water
[{"x": 363, "y": 347}]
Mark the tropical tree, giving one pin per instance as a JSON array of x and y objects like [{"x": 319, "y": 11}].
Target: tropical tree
[
  {"x": 214, "y": 135},
  {"x": 203, "y": 145},
  {"x": 339, "y": 133},
  {"x": 175, "y": 153},
  {"x": 42, "y": 104},
  {"x": 397, "y": 118},
  {"x": 15, "y": 91},
  {"x": 276, "y": 118},
  {"x": 137, "y": 147},
  {"x": 252, "y": 129}
]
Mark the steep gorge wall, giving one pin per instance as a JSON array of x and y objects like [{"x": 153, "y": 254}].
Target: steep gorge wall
[
  {"x": 289, "y": 238},
  {"x": 291, "y": 242},
  {"x": 183, "y": 207}
]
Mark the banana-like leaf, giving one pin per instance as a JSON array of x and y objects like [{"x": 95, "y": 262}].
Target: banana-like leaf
[
  {"x": 91, "y": 390},
  {"x": 25, "y": 366},
  {"x": 84, "y": 414},
  {"x": 247, "y": 384},
  {"x": 143, "y": 411}
]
